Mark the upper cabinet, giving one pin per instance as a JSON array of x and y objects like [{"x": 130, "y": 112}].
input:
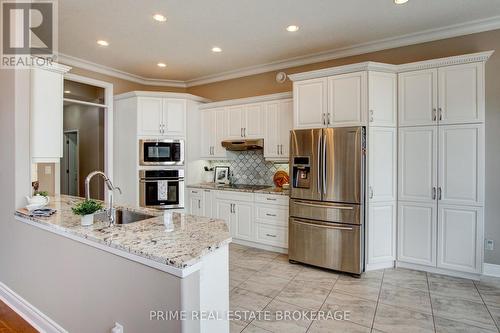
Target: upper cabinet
[
  {"x": 264, "y": 117},
  {"x": 351, "y": 99},
  {"x": 448, "y": 95},
  {"x": 161, "y": 116},
  {"x": 461, "y": 94},
  {"x": 278, "y": 123},
  {"x": 46, "y": 113},
  {"x": 382, "y": 99},
  {"x": 347, "y": 100}
]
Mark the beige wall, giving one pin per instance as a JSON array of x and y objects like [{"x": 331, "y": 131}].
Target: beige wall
[{"x": 265, "y": 84}]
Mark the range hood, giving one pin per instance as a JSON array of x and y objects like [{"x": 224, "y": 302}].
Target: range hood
[{"x": 242, "y": 145}]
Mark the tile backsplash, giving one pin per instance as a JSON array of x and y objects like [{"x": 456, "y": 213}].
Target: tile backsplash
[{"x": 250, "y": 167}]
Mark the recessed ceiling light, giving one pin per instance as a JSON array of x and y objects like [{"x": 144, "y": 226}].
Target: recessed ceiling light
[
  {"x": 102, "y": 42},
  {"x": 216, "y": 49},
  {"x": 400, "y": 2},
  {"x": 67, "y": 91},
  {"x": 159, "y": 17},
  {"x": 292, "y": 28},
  {"x": 162, "y": 65}
]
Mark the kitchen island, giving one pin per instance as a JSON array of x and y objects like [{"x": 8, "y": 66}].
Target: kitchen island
[{"x": 192, "y": 258}]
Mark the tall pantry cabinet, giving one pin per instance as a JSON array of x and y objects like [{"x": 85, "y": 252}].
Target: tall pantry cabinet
[{"x": 441, "y": 167}]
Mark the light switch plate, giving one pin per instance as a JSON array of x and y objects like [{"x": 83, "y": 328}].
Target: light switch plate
[{"x": 489, "y": 244}]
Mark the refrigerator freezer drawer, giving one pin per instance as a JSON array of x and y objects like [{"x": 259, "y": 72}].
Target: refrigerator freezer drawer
[
  {"x": 326, "y": 211},
  {"x": 328, "y": 245}
]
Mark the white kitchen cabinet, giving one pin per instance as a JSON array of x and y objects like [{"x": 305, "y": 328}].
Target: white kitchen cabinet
[
  {"x": 244, "y": 220},
  {"x": 208, "y": 203},
  {"x": 382, "y": 99},
  {"x": 347, "y": 99},
  {"x": 382, "y": 164},
  {"x": 381, "y": 231},
  {"x": 213, "y": 132},
  {"x": 310, "y": 103},
  {"x": 461, "y": 164},
  {"x": 174, "y": 117},
  {"x": 224, "y": 211},
  {"x": 417, "y": 233},
  {"x": 245, "y": 121},
  {"x": 418, "y": 98},
  {"x": 461, "y": 94},
  {"x": 272, "y": 235},
  {"x": 46, "y": 114},
  {"x": 418, "y": 163},
  {"x": 161, "y": 116},
  {"x": 278, "y": 123},
  {"x": 195, "y": 202},
  {"x": 460, "y": 238}
]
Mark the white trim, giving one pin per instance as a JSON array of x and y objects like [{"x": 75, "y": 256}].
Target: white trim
[
  {"x": 28, "y": 312},
  {"x": 162, "y": 95},
  {"x": 491, "y": 270},
  {"x": 260, "y": 246},
  {"x": 357, "y": 67},
  {"x": 448, "y": 61},
  {"x": 435, "y": 270},
  {"x": 145, "y": 261},
  {"x": 248, "y": 100},
  {"x": 455, "y": 30},
  {"x": 94, "y": 67},
  {"x": 380, "y": 265}
]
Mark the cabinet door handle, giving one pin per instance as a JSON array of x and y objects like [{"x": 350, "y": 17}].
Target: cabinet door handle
[
  {"x": 439, "y": 193},
  {"x": 324, "y": 119},
  {"x": 434, "y": 193},
  {"x": 440, "y": 114},
  {"x": 199, "y": 203},
  {"x": 245, "y": 132},
  {"x": 434, "y": 114},
  {"x": 241, "y": 131},
  {"x": 328, "y": 118},
  {"x": 278, "y": 149},
  {"x": 371, "y": 116},
  {"x": 269, "y": 235},
  {"x": 370, "y": 190},
  {"x": 268, "y": 214}
]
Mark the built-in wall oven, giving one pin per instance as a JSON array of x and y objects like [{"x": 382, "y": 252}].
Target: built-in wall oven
[
  {"x": 161, "y": 152},
  {"x": 161, "y": 189}
]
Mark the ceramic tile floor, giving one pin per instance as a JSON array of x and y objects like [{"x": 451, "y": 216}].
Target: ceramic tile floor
[{"x": 385, "y": 301}]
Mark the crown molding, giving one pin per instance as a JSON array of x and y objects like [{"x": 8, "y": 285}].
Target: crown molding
[
  {"x": 138, "y": 93},
  {"x": 448, "y": 61},
  {"x": 455, "y": 30},
  {"x": 247, "y": 100},
  {"x": 94, "y": 67},
  {"x": 362, "y": 66}
]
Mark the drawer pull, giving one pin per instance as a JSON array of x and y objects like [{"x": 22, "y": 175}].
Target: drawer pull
[
  {"x": 267, "y": 214},
  {"x": 270, "y": 199},
  {"x": 194, "y": 191},
  {"x": 269, "y": 235}
]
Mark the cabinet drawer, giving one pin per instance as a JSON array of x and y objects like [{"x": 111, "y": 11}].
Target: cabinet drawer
[
  {"x": 276, "y": 215},
  {"x": 234, "y": 196},
  {"x": 272, "y": 235},
  {"x": 273, "y": 199},
  {"x": 195, "y": 192}
]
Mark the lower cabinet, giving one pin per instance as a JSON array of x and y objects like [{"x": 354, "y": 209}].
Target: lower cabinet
[
  {"x": 195, "y": 202},
  {"x": 460, "y": 231},
  {"x": 441, "y": 235},
  {"x": 381, "y": 231}
]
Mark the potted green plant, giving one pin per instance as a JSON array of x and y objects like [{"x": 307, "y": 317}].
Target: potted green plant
[{"x": 86, "y": 210}]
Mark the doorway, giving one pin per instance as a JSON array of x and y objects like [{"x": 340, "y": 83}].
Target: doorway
[{"x": 70, "y": 164}]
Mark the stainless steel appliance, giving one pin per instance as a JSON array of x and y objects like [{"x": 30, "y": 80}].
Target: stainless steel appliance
[
  {"x": 242, "y": 145},
  {"x": 161, "y": 189},
  {"x": 326, "y": 226},
  {"x": 161, "y": 152}
]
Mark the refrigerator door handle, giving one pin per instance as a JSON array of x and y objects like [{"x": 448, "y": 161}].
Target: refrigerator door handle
[
  {"x": 324, "y": 165},
  {"x": 320, "y": 225},
  {"x": 319, "y": 165},
  {"x": 302, "y": 203}
]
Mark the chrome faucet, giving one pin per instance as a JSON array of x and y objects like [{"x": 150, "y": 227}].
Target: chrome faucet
[{"x": 111, "y": 188}]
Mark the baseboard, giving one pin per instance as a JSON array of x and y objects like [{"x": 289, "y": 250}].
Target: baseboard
[
  {"x": 435, "y": 270},
  {"x": 491, "y": 270},
  {"x": 380, "y": 265},
  {"x": 28, "y": 312},
  {"x": 260, "y": 246}
]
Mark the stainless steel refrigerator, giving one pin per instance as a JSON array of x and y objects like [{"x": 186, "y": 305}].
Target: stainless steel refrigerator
[{"x": 326, "y": 225}]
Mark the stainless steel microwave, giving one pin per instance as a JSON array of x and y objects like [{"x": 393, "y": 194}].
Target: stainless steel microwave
[{"x": 161, "y": 152}]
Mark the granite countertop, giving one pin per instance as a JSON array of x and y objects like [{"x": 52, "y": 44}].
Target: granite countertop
[
  {"x": 192, "y": 237},
  {"x": 217, "y": 187}
]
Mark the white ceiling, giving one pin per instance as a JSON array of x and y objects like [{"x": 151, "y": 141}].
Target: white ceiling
[{"x": 250, "y": 32}]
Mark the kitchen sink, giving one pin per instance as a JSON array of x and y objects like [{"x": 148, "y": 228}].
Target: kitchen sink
[{"x": 123, "y": 216}]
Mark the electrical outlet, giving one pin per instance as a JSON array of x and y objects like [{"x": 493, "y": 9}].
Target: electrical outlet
[{"x": 489, "y": 244}]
